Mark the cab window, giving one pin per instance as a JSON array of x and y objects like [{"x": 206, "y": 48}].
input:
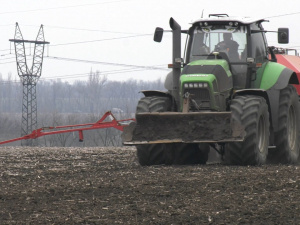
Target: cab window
[{"x": 258, "y": 46}]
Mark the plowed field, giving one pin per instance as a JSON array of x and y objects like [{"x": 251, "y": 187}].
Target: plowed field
[{"x": 107, "y": 186}]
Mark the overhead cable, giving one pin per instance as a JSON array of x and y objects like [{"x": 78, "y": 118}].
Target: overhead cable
[
  {"x": 287, "y": 14},
  {"x": 106, "y": 63},
  {"x": 108, "y": 39}
]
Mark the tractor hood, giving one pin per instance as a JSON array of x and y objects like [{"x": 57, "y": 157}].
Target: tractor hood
[{"x": 210, "y": 71}]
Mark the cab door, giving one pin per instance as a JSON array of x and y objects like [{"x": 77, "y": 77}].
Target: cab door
[{"x": 259, "y": 52}]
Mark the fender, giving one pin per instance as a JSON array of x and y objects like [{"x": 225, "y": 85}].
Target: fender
[
  {"x": 149, "y": 93},
  {"x": 277, "y": 76},
  {"x": 286, "y": 77},
  {"x": 258, "y": 92}
]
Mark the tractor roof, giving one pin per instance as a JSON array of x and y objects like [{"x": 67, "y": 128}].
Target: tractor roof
[{"x": 225, "y": 18}]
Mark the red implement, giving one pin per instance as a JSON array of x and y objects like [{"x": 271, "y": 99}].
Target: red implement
[
  {"x": 292, "y": 62},
  {"x": 112, "y": 123}
]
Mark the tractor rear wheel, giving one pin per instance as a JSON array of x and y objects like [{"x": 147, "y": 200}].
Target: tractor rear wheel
[
  {"x": 287, "y": 137},
  {"x": 152, "y": 154},
  {"x": 252, "y": 113}
]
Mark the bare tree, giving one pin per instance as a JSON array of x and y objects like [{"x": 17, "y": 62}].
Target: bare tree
[{"x": 95, "y": 84}]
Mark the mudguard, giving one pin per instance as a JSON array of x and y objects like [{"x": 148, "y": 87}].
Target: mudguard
[
  {"x": 277, "y": 76},
  {"x": 150, "y": 93}
]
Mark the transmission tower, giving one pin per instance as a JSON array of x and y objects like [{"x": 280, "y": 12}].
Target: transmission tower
[{"x": 29, "y": 78}]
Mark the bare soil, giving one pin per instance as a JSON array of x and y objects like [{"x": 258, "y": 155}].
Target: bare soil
[{"x": 108, "y": 186}]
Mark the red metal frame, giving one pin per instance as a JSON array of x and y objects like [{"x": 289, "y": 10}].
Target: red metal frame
[
  {"x": 113, "y": 123},
  {"x": 292, "y": 62}
]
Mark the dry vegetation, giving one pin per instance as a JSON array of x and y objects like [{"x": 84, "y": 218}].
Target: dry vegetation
[{"x": 107, "y": 186}]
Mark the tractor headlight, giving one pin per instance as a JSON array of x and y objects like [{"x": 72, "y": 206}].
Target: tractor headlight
[{"x": 195, "y": 85}]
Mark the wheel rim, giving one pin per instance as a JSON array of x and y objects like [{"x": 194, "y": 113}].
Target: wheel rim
[
  {"x": 261, "y": 134},
  {"x": 292, "y": 128}
]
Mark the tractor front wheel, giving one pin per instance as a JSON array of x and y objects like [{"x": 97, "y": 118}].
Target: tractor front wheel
[
  {"x": 253, "y": 114},
  {"x": 152, "y": 154}
]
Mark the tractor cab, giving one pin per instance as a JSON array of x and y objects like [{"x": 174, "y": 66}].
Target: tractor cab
[{"x": 239, "y": 41}]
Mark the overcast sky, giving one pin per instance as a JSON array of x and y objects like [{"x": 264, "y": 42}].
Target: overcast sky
[{"x": 115, "y": 37}]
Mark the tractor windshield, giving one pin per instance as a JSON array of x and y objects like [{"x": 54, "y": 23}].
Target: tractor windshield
[
  {"x": 228, "y": 41},
  {"x": 219, "y": 38}
]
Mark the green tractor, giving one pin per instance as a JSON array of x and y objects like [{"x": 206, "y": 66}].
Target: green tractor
[{"x": 228, "y": 94}]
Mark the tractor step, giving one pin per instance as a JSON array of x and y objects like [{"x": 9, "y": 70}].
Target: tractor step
[{"x": 191, "y": 127}]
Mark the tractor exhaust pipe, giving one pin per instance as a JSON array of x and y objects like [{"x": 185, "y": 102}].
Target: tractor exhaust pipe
[{"x": 176, "y": 30}]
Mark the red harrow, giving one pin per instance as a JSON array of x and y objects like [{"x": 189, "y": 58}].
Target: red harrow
[{"x": 113, "y": 122}]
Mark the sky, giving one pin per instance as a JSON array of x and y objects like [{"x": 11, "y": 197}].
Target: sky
[{"x": 115, "y": 37}]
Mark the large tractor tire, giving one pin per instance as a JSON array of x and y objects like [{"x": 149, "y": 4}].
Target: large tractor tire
[
  {"x": 152, "y": 154},
  {"x": 287, "y": 137},
  {"x": 253, "y": 114},
  {"x": 169, "y": 154}
]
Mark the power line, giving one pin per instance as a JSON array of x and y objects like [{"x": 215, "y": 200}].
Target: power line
[
  {"x": 84, "y": 29},
  {"x": 106, "y": 63},
  {"x": 288, "y": 14},
  {"x": 88, "y": 74},
  {"x": 108, "y": 39}
]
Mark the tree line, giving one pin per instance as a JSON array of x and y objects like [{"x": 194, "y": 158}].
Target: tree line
[{"x": 64, "y": 103}]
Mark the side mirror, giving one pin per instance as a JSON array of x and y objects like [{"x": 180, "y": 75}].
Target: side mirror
[
  {"x": 158, "y": 34},
  {"x": 283, "y": 35}
]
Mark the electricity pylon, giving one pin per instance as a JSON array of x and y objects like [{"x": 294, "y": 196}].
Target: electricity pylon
[{"x": 29, "y": 78}]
